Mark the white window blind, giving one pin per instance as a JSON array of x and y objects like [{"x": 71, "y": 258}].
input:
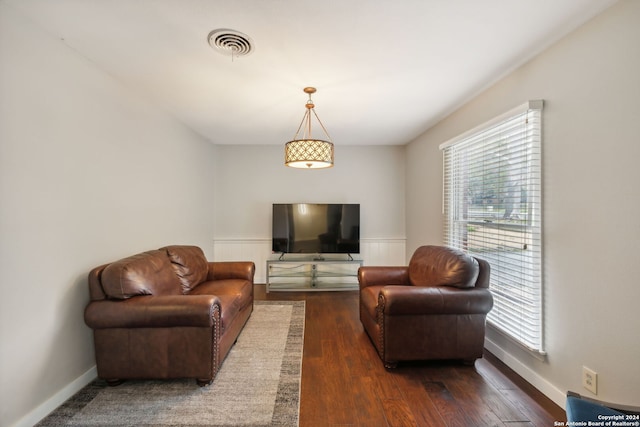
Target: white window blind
[{"x": 492, "y": 205}]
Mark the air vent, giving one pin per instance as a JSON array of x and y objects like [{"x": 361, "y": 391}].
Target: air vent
[{"x": 230, "y": 42}]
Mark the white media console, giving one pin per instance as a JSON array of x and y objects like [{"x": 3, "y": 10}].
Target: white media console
[{"x": 309, "y": 274}]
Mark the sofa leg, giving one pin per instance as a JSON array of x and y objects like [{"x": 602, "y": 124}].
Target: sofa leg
[
  {"x": 114, "y": 382},
  {"x": 391, "y": 365},
  {"x": 203, "y": 383}
]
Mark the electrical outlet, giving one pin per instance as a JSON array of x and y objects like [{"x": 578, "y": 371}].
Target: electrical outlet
[{"x": 590, "y": 380}]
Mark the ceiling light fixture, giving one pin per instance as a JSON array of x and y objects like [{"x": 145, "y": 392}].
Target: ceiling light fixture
[{"x": 309, "y": 152}]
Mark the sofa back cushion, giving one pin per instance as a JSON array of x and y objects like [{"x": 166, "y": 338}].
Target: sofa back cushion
[
  {"x": 189, "y": 264},
  {"x": 148, "y": 273},
  {"x": 443, "y": 266}
]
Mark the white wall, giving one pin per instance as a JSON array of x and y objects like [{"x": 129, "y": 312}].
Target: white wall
[
  {"x": 88, "y": 174},
  {"x": 251, "y": 178},
  {"x": 591, "y": 86}
]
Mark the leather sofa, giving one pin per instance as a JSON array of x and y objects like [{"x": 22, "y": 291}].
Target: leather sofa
[
  {"x": 434, "y": 308},
  {"x": 167, "y": 313}
]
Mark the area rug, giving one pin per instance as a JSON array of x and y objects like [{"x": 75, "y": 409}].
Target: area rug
[{"x": 258, "y": 384}]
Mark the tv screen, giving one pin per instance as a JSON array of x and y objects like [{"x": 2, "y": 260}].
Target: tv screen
[{"x": 316, "y": 228}]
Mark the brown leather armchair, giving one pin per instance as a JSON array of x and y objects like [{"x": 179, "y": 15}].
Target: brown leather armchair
[{"x": 434, "y": 308}]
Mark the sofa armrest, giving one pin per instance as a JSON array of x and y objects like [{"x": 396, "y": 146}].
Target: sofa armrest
[
  {"x": 412, "y": 300},
  {"x": 231, "y": 270},
  {"x": 377, "y": 275},
  {"x": 153, "y": 312}
]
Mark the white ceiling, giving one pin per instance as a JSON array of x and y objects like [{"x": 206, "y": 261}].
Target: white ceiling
[{"x": 385, "y": 70}]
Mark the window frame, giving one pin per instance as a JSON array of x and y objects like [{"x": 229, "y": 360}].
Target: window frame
[{"x": 481, "y": 141}]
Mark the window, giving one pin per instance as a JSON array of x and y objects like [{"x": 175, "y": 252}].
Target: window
[{"x": 492, "y": 206}]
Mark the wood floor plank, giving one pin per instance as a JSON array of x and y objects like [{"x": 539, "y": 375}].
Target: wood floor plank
[
  {"x": 536, "y": 407},
  {"x": 423, "y": 409},
  {"x": 456, "y": 377},
  {"x": 336, "y": 382},
  {"x": 447, "y": 406},
  {"x": 491, "y": 398},
  {"x": 533, "y": 411},
  {"x": 368, "y": 408},
  {"x": 312, "y": 409},
  {"x": 474, "y": 403},
  {"x": 344, "y": 382},
  {"x": 398, "y": 413}
]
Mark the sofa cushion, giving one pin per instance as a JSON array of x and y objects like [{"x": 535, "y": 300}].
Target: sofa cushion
[
  {"x": 443, "y": 266},
  {"x": 148, "y": 273},
  {"x": 239, "y": 289},
  {"x": 190, "y": 265}
]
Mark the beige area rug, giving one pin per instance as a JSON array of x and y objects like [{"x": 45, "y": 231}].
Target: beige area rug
[{"x": 258, "y": 384}]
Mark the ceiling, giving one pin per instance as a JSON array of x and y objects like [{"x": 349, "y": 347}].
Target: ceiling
[{"x": 385, "y": 70}]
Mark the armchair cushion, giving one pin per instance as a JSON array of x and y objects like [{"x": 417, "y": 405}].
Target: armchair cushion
[
  {"x": 583, "y": 411},
  {"x": 443, "y": 266},
  {"x": 190, "y": 265},
  {"x": 147, "y": 273}
]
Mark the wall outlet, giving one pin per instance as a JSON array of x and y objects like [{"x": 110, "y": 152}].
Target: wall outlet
[{"x": 590, "y": 380}]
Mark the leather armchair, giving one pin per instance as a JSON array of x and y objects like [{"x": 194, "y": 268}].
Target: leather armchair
[{"x": 434, "y": 308}]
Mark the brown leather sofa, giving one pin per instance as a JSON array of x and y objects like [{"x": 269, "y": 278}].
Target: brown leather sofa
[
  {"x": 167, "y": 313},
  {"x": 434, "y": 308}
]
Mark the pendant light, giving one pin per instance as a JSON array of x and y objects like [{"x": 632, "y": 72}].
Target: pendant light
[{"x": 308, "y": 152}]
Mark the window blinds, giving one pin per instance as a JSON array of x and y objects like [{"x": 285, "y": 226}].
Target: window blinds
[{"x": 492, "y": 205}]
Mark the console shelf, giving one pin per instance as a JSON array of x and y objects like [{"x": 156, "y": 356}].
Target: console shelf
[{"x": 312, "y": 275}]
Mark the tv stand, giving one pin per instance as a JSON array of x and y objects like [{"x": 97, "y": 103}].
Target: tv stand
[{"x": 312, "y": 274}]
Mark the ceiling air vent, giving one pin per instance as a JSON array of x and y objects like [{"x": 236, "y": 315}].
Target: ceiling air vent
[{"x": 230, "y": 42}]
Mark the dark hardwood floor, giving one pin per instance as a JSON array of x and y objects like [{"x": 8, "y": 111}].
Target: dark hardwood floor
[{"x": 345, "y": 384}]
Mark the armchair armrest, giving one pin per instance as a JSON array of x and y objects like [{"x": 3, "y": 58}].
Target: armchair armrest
[
  {"x": 408, "y": 300},
  {"x": 377, "y": 276},
  {"x": 231, "y": 270},
  {"x": 153, "y": 312}
]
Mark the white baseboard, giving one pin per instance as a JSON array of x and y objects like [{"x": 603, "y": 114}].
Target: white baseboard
[
  {"x": 57, "y": 399},
  {"x": 540, "y": 383}
]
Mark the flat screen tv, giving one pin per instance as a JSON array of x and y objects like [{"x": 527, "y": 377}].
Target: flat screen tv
[{"x": 316, "y": 228}]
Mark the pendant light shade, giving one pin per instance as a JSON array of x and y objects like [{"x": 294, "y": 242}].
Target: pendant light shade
[{"x": 308, "y": 152}]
